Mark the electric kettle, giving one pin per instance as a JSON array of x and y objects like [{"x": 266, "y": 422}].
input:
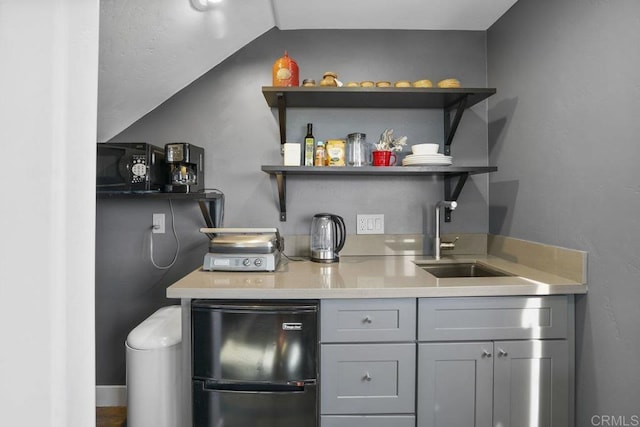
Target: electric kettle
[{"x": 328, "y": 234}]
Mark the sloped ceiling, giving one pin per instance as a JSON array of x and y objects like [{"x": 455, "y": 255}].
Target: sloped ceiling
[
  {"x": 476, "y": 15},
  {"x": 149, "y": 50}
]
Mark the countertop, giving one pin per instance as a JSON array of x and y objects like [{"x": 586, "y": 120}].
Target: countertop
[{"x": 371, "y": 277}]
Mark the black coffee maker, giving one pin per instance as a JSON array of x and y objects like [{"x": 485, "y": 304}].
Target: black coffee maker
[{"x": 186, "y": 167}]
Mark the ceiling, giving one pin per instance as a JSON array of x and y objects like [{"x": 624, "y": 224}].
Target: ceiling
[
  {"x": 150, "y": 50},
  {"x": 476, "y": 15}
]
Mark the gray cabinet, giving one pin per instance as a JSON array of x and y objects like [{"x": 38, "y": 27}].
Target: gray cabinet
[
  {"x": 509, "y": 379},
  {"x": 368, "y": 421},
  {"x": 455, "y": 383},
  {"x": 368, "y": 320},
  {"x": 447, "y": 362},
  {"x": 367, "y": 378},
  {"x": 367, "y": 362},
  {"x": 531, "y": 383},
  {"x": 492, "y": 318}
]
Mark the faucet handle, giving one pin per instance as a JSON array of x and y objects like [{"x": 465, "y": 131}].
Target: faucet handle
[
  {"x": 449, "y": 204},
  {"x": 449, "y": 245}
]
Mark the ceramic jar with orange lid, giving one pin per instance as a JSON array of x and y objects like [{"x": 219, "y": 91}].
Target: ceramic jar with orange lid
[{"x": 285, "y": 72}]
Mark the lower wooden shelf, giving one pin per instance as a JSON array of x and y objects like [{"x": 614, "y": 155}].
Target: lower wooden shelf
[{"x": 450, "y": 173}]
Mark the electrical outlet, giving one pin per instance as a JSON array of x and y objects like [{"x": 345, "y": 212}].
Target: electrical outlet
[
  {"x": 158, "y": 223},
  {"x": 370, "y": 224}
]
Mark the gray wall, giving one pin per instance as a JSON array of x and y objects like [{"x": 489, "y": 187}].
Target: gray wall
[
  {"x": 225, "y": 112},
  {"x": 128, "y": 287},
  {"x": 563, "y": 131}
]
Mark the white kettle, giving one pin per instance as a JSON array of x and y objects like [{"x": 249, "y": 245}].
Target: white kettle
[{"x": 328, "y": 234}]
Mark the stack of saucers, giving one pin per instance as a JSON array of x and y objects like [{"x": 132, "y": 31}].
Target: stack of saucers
[
  {"x": 426, "y": 155},
  {"x": 426, "y": 160}
]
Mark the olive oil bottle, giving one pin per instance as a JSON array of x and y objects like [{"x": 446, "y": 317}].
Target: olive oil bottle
[{"x": 309, "y": 146}]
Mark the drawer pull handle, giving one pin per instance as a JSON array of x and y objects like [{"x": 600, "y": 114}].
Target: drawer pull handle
[
  {"x": 486, "y": 353},
  {"x": 502, "y": 353},
  {"x": 367, "y": 319},
  {"x": 367, "y": 377}
]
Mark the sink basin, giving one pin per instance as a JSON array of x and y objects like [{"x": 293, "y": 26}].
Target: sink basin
[{"x": 465, "y": 269}]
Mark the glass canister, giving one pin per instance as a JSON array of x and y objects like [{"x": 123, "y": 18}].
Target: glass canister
[{"x": 358, "y": 150}]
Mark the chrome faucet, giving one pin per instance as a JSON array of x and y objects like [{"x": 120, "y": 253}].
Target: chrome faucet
[{"x": 437, "y": 244}]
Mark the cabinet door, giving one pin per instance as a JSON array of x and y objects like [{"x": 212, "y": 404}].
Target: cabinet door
[
  {"x": 531, "y": 383},
  {"x": 454, "y": 384},
  {"x": 367, "y": 378}
]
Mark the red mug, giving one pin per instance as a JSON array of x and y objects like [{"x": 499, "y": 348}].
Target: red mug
[{"x": 384, "y": 158}]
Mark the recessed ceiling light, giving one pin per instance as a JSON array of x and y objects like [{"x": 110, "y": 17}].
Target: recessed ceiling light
[{"x": 203, "y": 5}]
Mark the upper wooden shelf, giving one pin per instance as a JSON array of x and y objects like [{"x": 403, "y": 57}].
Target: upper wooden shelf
[{"x": 359, "y": 97}]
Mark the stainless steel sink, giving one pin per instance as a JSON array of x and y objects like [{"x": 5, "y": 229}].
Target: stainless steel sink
[{"x": 463, "y": 269}]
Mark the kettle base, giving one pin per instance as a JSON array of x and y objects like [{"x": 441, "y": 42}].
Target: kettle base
[
  {"x": 325, "y": 261},
  {"x": 335, "y": 258}
]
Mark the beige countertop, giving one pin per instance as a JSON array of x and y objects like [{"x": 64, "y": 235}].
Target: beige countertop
[{"x": 369, "y": 276}]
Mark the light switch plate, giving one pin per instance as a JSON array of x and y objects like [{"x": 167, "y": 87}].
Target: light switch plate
[{"x": 370, "y": 224}]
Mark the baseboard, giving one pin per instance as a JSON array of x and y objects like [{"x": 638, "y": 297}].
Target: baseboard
[{"x": 111, "y": 395}]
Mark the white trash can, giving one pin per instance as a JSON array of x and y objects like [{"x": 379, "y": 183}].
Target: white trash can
[{"x": 154, "y": 371}]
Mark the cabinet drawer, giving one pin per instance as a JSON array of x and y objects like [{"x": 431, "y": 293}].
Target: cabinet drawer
[
  {"x": 367, "y": 378},
  {"x": 367, "y": 421},
  {"x": 368, "y": 320},
  {"x": 490, "y": 318}
]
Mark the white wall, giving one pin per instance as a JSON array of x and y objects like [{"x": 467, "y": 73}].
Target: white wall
[{"x": 48, "y": 103}]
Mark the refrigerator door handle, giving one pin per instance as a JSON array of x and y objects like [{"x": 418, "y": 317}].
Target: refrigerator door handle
[
  {"x": 262, "y": 309},
  {"x": 288, "y": 387}
]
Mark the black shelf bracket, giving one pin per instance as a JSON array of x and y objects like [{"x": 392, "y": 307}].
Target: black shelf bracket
[
  {"x": 453, "y": 194},
  {"x": 450, "y": 127},
  {"x": 211, "y": 203},
  {"x": 212, "y": 212},
  {"x": 282, "y": 118},
  {"x": 281, "y": 180}
]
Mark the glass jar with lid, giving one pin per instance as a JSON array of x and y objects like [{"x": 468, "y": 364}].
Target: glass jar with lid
[{"x": 358, "y": 150}]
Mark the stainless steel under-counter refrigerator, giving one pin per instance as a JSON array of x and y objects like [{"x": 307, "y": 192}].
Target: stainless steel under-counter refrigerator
[{"x": 254, "y": 363}]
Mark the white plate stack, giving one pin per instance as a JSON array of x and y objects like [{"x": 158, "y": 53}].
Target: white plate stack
[
  {"x": 426, "y": 160},
  {"x": 426, "y": 155}
]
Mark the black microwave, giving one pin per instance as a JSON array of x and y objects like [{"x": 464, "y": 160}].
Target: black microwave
[{"x": 130, "y": 167}]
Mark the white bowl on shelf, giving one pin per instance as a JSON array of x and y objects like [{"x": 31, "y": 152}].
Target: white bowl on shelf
[{"x": 425, "y": 148}]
